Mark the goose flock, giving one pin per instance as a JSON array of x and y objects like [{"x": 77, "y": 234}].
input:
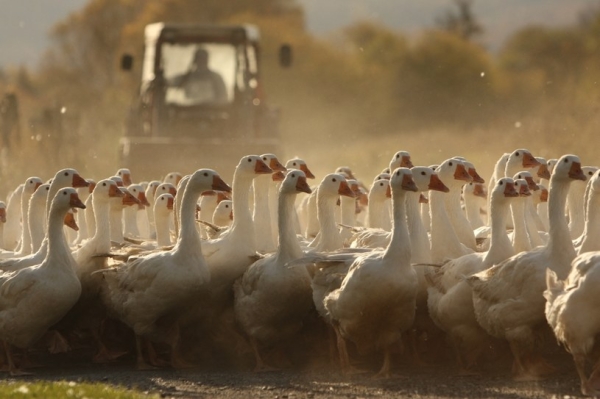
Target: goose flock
[{"x": 164, "y": 267}]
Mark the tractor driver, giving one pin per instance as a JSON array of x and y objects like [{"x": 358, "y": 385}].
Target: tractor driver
[{"x": 199, "y": 83}]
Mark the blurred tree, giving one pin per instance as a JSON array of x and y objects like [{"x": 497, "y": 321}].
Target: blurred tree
[{"x": 462, "y": 21}]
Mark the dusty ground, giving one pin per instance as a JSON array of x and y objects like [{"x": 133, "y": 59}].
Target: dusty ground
[{"x": 440, "y": 381}]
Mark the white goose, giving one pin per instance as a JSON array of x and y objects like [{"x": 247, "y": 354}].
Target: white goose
[
  {"x": 272, "y": 299},
  {"x": 223, "y": 214},
  {"x": 151, "y": 196},
  {"x": 331, "y": 187},
  {"x": 12, "y": 230},
  {"x": 444, "y": 242},
  {"x": 208, "y": 203},
  {"x": 474, "y": 197},
  {"x": 294, "y": 163},
  {"x": 229, "y": 255},
  {"x": 375, "y": 236},
  {"x": 590, "y": 239},
  {"x": 152, "y": 288},
  {"x": 37, "y": 216},
  {"x": 261, "y": 216},
  {"x": 376, "y": 301},
  {"x": 508, "y": 297},
  {"x": 519, "y": 236},
  {"x": 84, "y": 195},
  {"x": 576, "y": 204},
  {"x": 543, "y": 207},
  {"x": 571, "y": 311},
  {"x": 62, "y": 178},
  {"x": 36, "y": 297},
  {"x": 450, "y": 298},
  {"x": 532, "y": 219},
  {"x": 29, "y": 187},
  {"x": 163, "y": 210},
  {"x": 130, "y": 219}
]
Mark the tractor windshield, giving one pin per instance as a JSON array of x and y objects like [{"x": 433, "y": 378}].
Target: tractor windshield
[{"x": 198, "y": 74}]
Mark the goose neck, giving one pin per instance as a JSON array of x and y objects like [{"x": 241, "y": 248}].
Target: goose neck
[
  {"x": 289, "y": 247},
  {"x": 559, "y": 243},
  {"x": 101, "y": 216},
  {"x": 398, "y": 251},
  {"x": 57, "y": 244},
  {"x": 419, "y": 240},
  {"x": 188, "y": 240},
  {"x": 500, "y": 246},
  {"x": 330, "y": 237}
]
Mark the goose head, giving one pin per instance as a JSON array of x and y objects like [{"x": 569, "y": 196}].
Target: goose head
[
  {"x": 521, "y": 159},
  {"x": 223, "y": 213},
  {"x": 173, "y": 178},
  {"x": 400, "y": 159},
  {"x": 278, "y": 176},
  {"x": 528, "y": 177},
  {"x": 427, "y": 179},
  {"x": 164, "y": 204},
  {"x": 589, "y": 171},
  {"x": 540, "y": 195},
  {"x": 522, "y": 187},
  {"x": 380, "y": 190},
  {"x": 383, "y": 176},
  {"x": 137, "y": 191},
  {"x": 334, "y": 185},
  {"x": 475, "y": 189},
  {"x": 69, "y": 178},
  {"x": 118, "y": 180},
  {"x": 207, "y": 179},
  {"x": 125, "y": 175},
  {"x": 471, "y": 170},
  {"x": 568, "y": 167},
  {"x": 504, "y": 188},
  {"x": 252, "y": 165},
  {"x": 273, "y": 163},
  {"x": 402, "y": 179},
  {"x": 346, "y": 172},
  {"x": 166, "y": 188},
  {"x": 67, "y": 198},
  {"x": 551, "y": 163},
  {"x": 295, "y": 182},
  {"x": 542, "y": 171},
  {"x": 298, "y": 163},
  {"x": 31, "y": 184},
  {"x": 453, "y": 173},
  {"x": 92, "y": 185},
  {"x": 151, "y": 188},
  {"x": 106, "y": 189}
]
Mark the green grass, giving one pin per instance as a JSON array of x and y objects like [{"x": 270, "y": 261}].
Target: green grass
[{"x": 66, "y": 390}]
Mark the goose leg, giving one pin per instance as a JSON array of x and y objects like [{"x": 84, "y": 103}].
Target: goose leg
[
  {"x": 140, "y": 361},
  {"x": 103, "y": 355},
  {"x": 347, "y": 367},
  {"x": 12, "y": 369},
  {"x": 384, "y": 372},
  {"x": 594, "y": 380},
  {"x": 260, "y": 363},
  {"x": 177, "y": 360}
]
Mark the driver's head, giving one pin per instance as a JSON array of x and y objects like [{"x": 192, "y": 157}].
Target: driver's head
[{"x": 201, "y": 58}]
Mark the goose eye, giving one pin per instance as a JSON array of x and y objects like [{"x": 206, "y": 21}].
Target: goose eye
[
  {"x": 566, "y": 160},
  {"x": 397, "y": 155},
  {"x": 103, "y": 184},
  {"x": 66, "y": 173},
  {"x": 517, "y": 153},
  {"x": 333, "y": 180},
  {"x": 64, "y": 193},
  {"x": 398, "y": 173},
  {"x": 423, "y": 173},
  {"x": 226, "y": 206},
  {"x": 590, "y": 173},
  {"x": 294, "y": 163},
  {"x": 206, "y": 174},
  {"x": 249, "y": 160},
  {"x": 470, "y": 184},
  {"x": 264, "y": 158},
  {"x": 381, "y": 184},
  {"x": 501, "y": 183},
  {"x": 293, "y": 175}
]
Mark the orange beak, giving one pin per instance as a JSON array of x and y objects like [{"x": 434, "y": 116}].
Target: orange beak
[
  {"x": 78, "y": 181},
  {"x": 388, "y": 192},
  {"x": 510, "y": 191},
  {"x": 70, "y": 221},
  {"x": 143, "y": 200},
  {"x": 479, "y": 191},
  {"x": 406, "y": 163},
  {"x": 423, "y": 199},
  {"x": 307, "y": 171},
  {"x": 219, "y": 185},
  {"x": 575, "y": 172},
  {"x": 302, "y": 185},
  {"x": 436, "y": 184},
  {"x": 543, "y": 172},
  {"x": 114, "y": 192},
  {"x": 475, "y": 176},
  {"x": 126, "y": 179},
  {"x": 261, "y": 168},
  {"x": 524, "y": 190},
  {"x": 461, "y": 173},
  {"x": 544, "y": 195},
  {"x": 408, "y": 183},
  {"x": 2, "y": 215},
  {"x": 529, "y": 160},
  {"x": 91, "y": 187},
  {"x": 170, "y": 202},
  {"x": 532, "y": 185},
  {"x": 275, "y": 165},
  {"x": 278, "y": 176},
  {"x": 345, "y": 189},
  {"x": 75, "y": 202},
  {"x": 129, "y": 199}
]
